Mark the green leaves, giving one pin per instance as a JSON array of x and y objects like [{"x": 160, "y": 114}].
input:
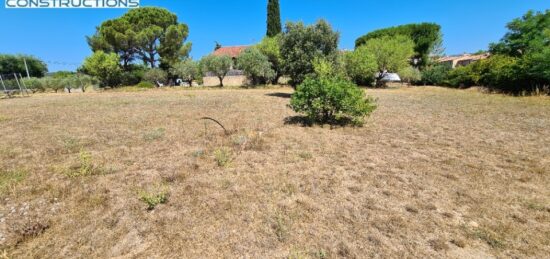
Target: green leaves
[
  {"x": 331, "y": 100},
  {"x": 146, "y": 33},
  {"x": 255, "y": 65},
  {"x": 425, "y": 36},
  {"x": 218, "y": 65},
  {"x": 103, "y": 66},
  {"x": 302, "y": 44}
]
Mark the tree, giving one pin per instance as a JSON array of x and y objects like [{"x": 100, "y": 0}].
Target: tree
[
  {"x": 427, "y": 38},
  {"x": 271, "y": 47},
  {"x": 156, "y": 76},
  {"x": 302, "y": 44},
  {"x": 524, "y": 34},
  {"x": 188, "y": 70},
  {"x": 360, "y": 66},
  {"x": 153, "y": 34},
  {"x": 273, "y": 18},
  {"x": 331, "y": 100},
  {"x": 218, "y": 65},
  {"x": 10, "y": 64},
  {"x": 392, "y": 53},
  {"x": 255, "y": 65},
  {"x": 104, "y": 66}
]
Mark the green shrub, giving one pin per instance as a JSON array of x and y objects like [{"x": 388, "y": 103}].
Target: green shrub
[
  {"x": 331, "y": 100},
  {"x": 410, "y": 75},
  {"x": 462, "y": 77},
  {"x": 502, "y": 73},
  {"x": 360, "y": 66},
  {"x": 156, "y": 75},
  {"x": 435, "y": 74},
  {"x": 222, "y": 156},
  {"x": 155, "y": 197},
  {"x": 145, "y": 84}
]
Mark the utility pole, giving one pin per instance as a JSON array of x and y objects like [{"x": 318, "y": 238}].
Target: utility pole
[{"x": 26, "y": 68}]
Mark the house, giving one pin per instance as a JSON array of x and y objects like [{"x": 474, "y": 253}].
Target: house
[
  {"x": 234, "y": 77},
  {"x": 462, "y": 60}
]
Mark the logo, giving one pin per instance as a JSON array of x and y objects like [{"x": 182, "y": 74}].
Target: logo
[{"x": 72, "y": 3}]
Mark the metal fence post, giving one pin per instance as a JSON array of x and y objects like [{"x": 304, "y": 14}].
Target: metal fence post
[
  {"x": 24, "y": 85},
  {"x": 3, "y": 85},
  {"x": 18, "y": 84}
]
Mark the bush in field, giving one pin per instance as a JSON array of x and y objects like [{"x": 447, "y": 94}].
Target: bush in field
[
  {"x": 145, "y": 84},
  {"x": 256, "y": 66},
  {"x": 156, "y": 76},
  {"x": 217, "y": 65},
  {"x": 435, "y": 74},
  {"x": 188, "y": 70},
  {"x": 104, "y": 67},
  {"x": 410, "y": 75},
  {"x": 34, "y": 84},
  {"x": 391, "y": 54},
  {"x": 133, "y": 74},
  {"x": 502, "y": 73},
  {"x": 331, "y": 100},
  {"x": 360, "y": 66},
  {"x": 464, "y": 76},
  {"x": 301, "y": 44}
]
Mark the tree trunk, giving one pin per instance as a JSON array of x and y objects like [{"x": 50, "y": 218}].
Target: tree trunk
[{"x": 221, "y": 81}]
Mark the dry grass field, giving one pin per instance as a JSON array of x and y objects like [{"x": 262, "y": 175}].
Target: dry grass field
[{"x": 434, "y": 173}]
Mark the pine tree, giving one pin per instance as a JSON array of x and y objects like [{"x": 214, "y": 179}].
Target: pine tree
[{"x": 273, "y": 18}]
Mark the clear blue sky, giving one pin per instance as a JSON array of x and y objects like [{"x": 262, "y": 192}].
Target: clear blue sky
[{"x": 57, "y": 35}]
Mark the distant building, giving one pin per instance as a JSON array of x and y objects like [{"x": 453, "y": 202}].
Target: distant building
[
  {"x": 234, "y": 77},
  {"x": 462, "y": 60}
]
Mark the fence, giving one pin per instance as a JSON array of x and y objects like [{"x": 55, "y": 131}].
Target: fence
[{"x": 13, "y": 84}]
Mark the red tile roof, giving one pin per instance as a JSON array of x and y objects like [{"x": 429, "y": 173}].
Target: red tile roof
[{"x": 233, "y": 51}]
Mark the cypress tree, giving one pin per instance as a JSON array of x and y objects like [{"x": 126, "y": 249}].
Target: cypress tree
[{"x": 273, "y": 18}]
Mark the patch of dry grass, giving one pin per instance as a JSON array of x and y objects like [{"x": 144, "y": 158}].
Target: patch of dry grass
[{"x": 434, "y": 172}]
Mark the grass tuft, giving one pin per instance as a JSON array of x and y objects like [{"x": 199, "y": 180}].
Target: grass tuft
[
  {"x": 9, "y": 179},
  {"x": 155, "y": 197},
  {"x": 155, "y": 134},
  {"x": 223, "y": 156}
]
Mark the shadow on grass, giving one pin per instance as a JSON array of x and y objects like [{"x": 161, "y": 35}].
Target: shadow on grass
[
  {"x": 280, "y": 95},
  {"x": 308, "y": 122}
]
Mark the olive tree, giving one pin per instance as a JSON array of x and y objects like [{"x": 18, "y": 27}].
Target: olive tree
[
  {"x": 188, "y": 70},
  {"x": 217, "y": 65},
  {"x": 256, "y": 66}
]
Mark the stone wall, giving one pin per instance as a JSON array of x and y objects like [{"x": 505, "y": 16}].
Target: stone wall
[{"x": 227, "y": 81}]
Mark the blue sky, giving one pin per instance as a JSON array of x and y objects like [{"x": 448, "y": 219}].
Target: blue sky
[{"x": 57, "y": 35}]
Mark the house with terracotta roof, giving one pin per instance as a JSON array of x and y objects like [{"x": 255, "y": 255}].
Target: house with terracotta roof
[
  {"x": 234, "y": 77},
  {"x": 462, "y": 60}
]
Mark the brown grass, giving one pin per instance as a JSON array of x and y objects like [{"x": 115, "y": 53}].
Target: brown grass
[{"x": 434, "y": 173}]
